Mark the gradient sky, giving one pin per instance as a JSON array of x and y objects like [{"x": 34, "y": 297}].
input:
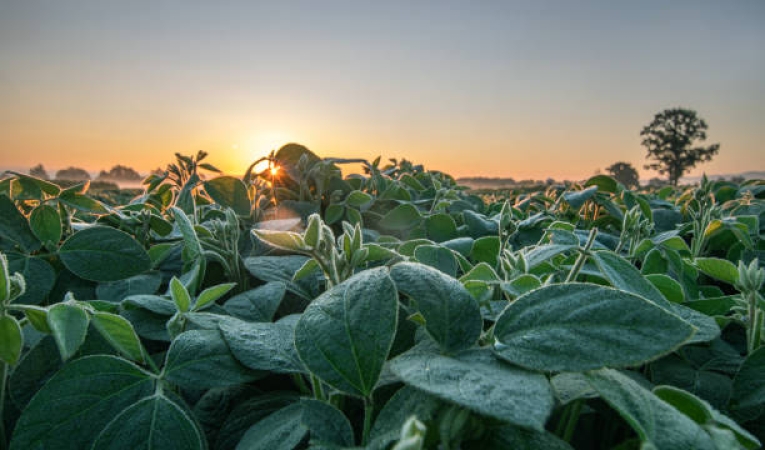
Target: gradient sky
[{"x": 523, "y": 89}]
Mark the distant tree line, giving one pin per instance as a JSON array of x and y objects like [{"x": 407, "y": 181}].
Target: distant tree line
[{"x": 117, "y": 173}]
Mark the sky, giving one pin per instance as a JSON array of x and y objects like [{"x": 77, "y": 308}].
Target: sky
[{"x": 522, "y": 89}]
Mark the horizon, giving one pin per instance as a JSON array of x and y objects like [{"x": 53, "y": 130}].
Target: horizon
[{"x": 468, "y": 89}]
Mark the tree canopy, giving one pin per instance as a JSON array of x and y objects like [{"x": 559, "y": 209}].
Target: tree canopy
[
  {"x": 624, "y": 173},
  {"x": 670, "y": 140},
  {"x": 73, "y": 174}
]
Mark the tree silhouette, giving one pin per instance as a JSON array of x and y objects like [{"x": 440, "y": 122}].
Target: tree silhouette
[
  {"x": 38, "y": 171},
  {"x": 73, "y": 174},
  {"x": 624, "y": 173},
  {"x": 669, "y": 139},
  {"x": 120, "y": 173}
]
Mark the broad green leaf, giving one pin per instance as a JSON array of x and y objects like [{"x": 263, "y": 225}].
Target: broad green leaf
[
  {"x": 669, "y": 288},
  {"x": 749, "y": 386},
  {"x": 46, "y": 224},
  {"x": 478, "y": 381},
  {"x": 82, "y": 202},
  {"x": 486, "y": 249},
  {"x": 154, "y": 423},
  {"x": 143, "y": 284},
  {"x": 285, "y": 240},
  {"x": 69, "y": 326},
  {"x": 438, "y": 257},
  {"x": 719, "y": 269},
  {"x": 120, "y": 334},
  {"x": 543, "y": 253},
  {"x": 604, "y": 183},
  {"x": 259, "y": 304},
  {"x": 34, "y": 369},
  {"x": 327, "y": 424},
  {"x": 576, "y": 327},
  {"x": 15, "y": 229},
  {"x": 180, "y": 295},
  {"x": 104, "y": 254},
  {"x": 700, "y": 379},
  {"x": 334, "y": 213},
  {"x": 70, "y": 411},
  {"x": 570, "y": 386},
  {"x": 452, "y": 316},
  {"x": 402, "y": 217},
  {"x": 521, "y": 285},
  {"x": 478, "y": 225},
  {"x": 358, "y": 198},
  {"x": 517, "y": 438},
  {"x": 624, "y": 276},
  {"x": 263, "y": 346},
  {"x": 704, "y": 414},
  {"x": 282, "y": 430},
  {"x": 441, "y": 227},
  {"x": 229, "y": 192},
  {"x": 11, "y": 340},
  {"x": 192, "y": 247},
  {"x": 248, "y": 412},
  {"x": 282, "y": 269},
  {"x": 345, "y": 334},
  {"x": 200, "y": 359},
  {"x": 212, "y": 294},
  {"x": 657, "y": 423},
  {"x": 39, "y": 275},
  {"x": 577, "y": 198},
  {"x": 406, "y": 402}
]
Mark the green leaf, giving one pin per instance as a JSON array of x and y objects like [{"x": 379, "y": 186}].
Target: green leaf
[
  {"x": 46, "y": 224},
  {"x": 104, "y": 254},
  {"x": 402, "y": 217},
  {"x": 82, "y": 202},
  {"x": 263, "y": 346},
  {"x": 229, "y": 192},
  {"x": 486, "y": 249},
  {"x": 327, "y": 424},
  {"x": 623, "y": 275},
  {"x": 452, "y": 316},
  {"x": 11, "y": 340},
  {"x": 155, "y": 422},
  {"x": 334, "y": 213},
  {"x": 77, "y": 403},
  {"x": 478, "y": 225},
  {"x": 358, "y": 199},
  {"x": 577, "y": 198},
  {"x": 345, "y": 334},
  {"x": 749, "y": 386},
  {"x": 406, "y": 402},
  {"x": 119, "y": 332},
  {"x": 259, "y": 304},
  {"x": 719, "y": 269},
  {"x": 476, "y": 380},
  {"x": 200, "y": 359},
  {"x": 69, "y": 326},
  {"x": 441, "y": 227},
  {"x": 285, "y": 240},
  {"x": 180, "y": 295},
  {"x": 143, "y": 284},
  {"x": 438, "y": 257},
  {"x": 604, "y": 183},
  {"x": 704, "y": 414},
  {"x": 212, "y": 294},
  {"x": 656, "y": 423},
  {"x": 15, "y": 228},
  {"x": 517, "y": 438},
  {"x": 282, "y": 430},
  {"x": 39, "y": 275},
  {"x": 669, "y": 288},
  {"x": 576, "y": 327}
]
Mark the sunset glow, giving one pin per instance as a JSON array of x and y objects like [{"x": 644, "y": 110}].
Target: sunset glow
[{"x": 500, "y": 89}]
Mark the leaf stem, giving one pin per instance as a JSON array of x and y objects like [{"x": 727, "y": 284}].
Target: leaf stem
[
  {"x": 573, "y": 418},
  {"x": 368, "y": 410},
  {"x": 318, "y": 390},
  {"x": 585, "y": 252}
]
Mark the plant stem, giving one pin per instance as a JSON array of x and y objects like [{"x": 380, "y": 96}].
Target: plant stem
[
  {"x": 582, "y": 256},
  {"x": 368, "y": 410},
  {"x": 318, "y": 390},
  {"x": 573, "y": 418}
]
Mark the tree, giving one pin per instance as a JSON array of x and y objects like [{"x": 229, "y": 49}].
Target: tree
[
  {"x": 624, "y": 173},
  {"x": 120, "y": 173},
  {"x": 670, "y": 139},
  {"x": 73, "y": 174},
  {"x": 38, "y": 171}
]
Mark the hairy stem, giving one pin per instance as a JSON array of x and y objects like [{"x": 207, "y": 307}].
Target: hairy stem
[
  {"x": 368, "y": 410},
  {"x": 582, "y": 256}
]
